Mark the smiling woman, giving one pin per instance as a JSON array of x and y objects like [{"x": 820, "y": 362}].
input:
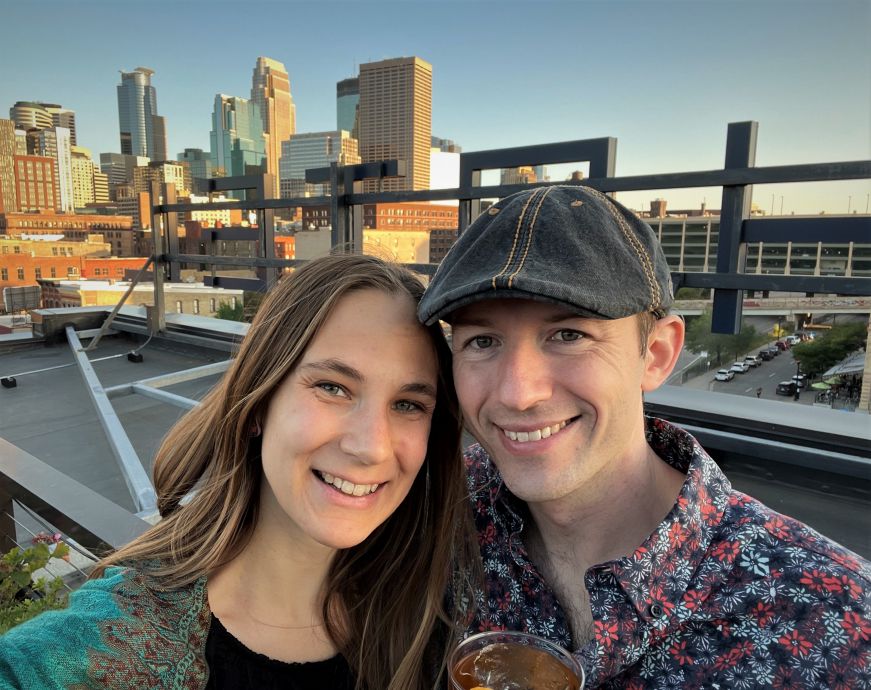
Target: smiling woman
[{"x": 324, "y": 514}]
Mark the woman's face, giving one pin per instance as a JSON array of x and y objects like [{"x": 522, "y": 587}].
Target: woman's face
[{"x": 346, "y": 432}]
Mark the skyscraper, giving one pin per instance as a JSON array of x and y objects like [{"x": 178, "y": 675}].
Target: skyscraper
[
  {"x": 237, "y": 145},
  {"x": 143, "y": 131},
  {"x": 313, "y": 150},
  {"x": 396, "y": 118},
  {"x": 348, "y": 105},
  {"x": 270, "y": 90}
]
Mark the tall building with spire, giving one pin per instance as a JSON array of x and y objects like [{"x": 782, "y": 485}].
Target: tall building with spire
[
  {"x": 396, "y": 118},
  {"x": 270, "y": 90},
  {"x": 143, "y": 131}
]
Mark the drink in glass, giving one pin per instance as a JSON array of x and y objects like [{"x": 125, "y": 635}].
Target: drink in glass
[{"x": 513, "y": 661}]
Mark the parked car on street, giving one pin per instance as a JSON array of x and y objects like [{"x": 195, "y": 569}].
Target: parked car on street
[
  {"x": 793, "y": 339},
  {"x": 753, "y": 360},
  {"x": 724, "y": 375},
  {"x": 785, "y": 388},
  {"x": 773, "y": 350},
  {"x": 740, "y": 367},
  {"x": 782, "y": 345},
  {"x": 765, "y": 355}
]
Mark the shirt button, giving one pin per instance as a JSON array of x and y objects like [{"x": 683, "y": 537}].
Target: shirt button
[{"x": 655, "y": 610}]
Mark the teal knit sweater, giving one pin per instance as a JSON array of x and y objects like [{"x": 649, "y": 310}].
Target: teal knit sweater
[{"x": 119, "y": 631}]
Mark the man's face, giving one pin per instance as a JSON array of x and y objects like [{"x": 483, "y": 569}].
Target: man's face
[{"x": 555, "y": 398}]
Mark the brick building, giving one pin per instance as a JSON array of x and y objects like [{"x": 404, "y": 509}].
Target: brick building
[{"x": 116, "y": 230}]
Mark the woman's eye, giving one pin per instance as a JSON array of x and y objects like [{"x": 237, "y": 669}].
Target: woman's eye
[
  {"x": 408, "y": 406},
  {"x": 567, "y": 336},
  {"x": 333, "y": 389}
]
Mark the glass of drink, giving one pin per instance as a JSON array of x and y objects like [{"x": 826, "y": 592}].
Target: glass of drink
[{"x": 513, "y": 661}]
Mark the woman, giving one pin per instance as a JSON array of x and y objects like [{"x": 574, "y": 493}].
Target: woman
[{"x": 323, "y": 511}]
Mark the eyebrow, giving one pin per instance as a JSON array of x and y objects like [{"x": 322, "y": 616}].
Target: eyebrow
[
  {"x": 339, "y": 367},
  {"x": 483, "y": 321}
]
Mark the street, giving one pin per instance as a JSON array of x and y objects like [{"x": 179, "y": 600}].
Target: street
[{"x": 766, "y": 376}]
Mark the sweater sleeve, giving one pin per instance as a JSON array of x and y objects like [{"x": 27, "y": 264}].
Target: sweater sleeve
[{"x": 54, "y": 649}]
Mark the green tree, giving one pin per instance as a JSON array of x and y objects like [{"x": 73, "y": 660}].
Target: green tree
[
  {"x": 816, "y": 356},
  {"x": 700, "y": 338},
  {"x": 229, "y": 312}
]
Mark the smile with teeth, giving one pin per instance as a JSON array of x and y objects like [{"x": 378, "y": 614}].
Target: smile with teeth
[
  {"x": 347, "y": 487},
  {"x": 536, "y": 434}
]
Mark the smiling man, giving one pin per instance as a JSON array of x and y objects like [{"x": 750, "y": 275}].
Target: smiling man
[{"x": 610, "y": 533}]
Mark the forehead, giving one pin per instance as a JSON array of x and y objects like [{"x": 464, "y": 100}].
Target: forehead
[
  {"x": 372, "y": 328},
  {"x": 490, "y": 310}
]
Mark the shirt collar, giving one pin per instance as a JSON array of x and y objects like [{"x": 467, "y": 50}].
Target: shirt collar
[
  {"x": 648, "y": 577},
  {"x": 657, "y": 575}
]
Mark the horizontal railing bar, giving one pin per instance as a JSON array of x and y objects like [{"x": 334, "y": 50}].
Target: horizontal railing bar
[
  {"x": 244, "y": 204},
  {"x": 232, "y": 260},
  {"x": 230, "y": 283},
  {"x": 810, "y": 172},
  {"x": 774, "y": 282},
  {"x": 95, "y": 522},
  {"x": 768, "y": 450},
  {"x": 810, "y": 230}
]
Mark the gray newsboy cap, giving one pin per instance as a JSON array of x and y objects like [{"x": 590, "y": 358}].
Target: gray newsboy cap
[{"x": 570, "y": 245}]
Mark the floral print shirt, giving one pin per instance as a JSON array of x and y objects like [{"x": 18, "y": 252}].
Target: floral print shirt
[{"x": 725, "y": 593}]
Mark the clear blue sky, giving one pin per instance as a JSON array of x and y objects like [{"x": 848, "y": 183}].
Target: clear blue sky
[{"x": 665, "y": 78}]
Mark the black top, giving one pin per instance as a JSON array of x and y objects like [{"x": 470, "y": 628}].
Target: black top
[{"x": 233, "y": 666}]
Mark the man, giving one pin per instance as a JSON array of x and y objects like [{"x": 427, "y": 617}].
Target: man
[{"x": 615, "y": 535}]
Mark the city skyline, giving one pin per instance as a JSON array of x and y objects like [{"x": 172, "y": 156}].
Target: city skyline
[{"x": 664, "y": 78}]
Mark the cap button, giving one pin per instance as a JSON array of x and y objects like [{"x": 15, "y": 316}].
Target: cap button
[{"x": 655, "y": 610}]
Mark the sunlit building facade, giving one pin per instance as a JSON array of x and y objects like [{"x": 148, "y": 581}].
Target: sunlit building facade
[
  {"x": 396, "y": 119},
  {"x": 270, "y": 90}
]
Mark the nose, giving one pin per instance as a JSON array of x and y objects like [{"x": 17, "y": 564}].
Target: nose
[
  {"x": 367, "y": 436},
  {"x": 524, "y": 378}
]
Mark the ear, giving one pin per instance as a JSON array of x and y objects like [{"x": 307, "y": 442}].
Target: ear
[{"x": 663, "y": 349}]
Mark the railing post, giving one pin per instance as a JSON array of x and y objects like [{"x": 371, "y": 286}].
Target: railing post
[
  {"x": 266, "y": 221},
  {"x": 169, "y": 197},
  {"x": 731, "y": 251},
  {"x": 159, "y": 317}
]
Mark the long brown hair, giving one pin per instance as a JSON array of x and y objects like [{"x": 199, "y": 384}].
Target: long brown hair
[{"x": 383, "y": 598}]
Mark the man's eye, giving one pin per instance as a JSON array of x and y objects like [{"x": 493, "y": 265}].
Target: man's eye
[
  {"x": 567, "y": 336},
  {"x": 481, "y": 342}
]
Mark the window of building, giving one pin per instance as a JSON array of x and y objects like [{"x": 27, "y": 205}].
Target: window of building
[
  {"x": 37, "y": 273},
  {"x": 178, "y": 309},
  {"x": 54, "y": 272},
  {"x": 16, "y": 249},
  {"x": 196, "y": 306},
  {"x": 233, "y": 301},
  {"x": 212, "y": 304},
  {"x": 5, "y": 249},
  {"x": 20, "y": 273},
  {"x": 4, "y": 274}
]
